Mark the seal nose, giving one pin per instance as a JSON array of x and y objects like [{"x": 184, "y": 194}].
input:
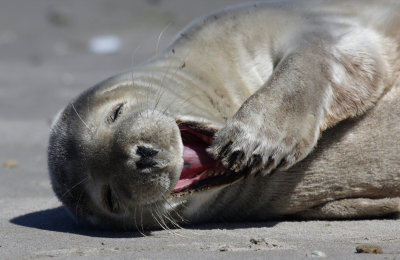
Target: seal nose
[{"x": 146, "y": 157}]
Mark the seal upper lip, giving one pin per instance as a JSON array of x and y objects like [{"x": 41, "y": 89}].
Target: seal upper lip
[{"x": 200, "y": 171}]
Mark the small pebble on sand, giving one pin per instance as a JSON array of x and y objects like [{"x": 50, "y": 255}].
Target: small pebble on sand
[
  {"x": 317, "y": 254},
  {"x": 369, "y": 249},
  {"x": 256, "y": 241},
  {"x": 10, "y": 164},
  {"x": 223, "y": 248}
]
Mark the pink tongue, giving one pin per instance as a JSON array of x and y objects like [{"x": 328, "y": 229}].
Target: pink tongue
[
  {"x": 192, "y": 161},
  {"x": 196, "y": 161}
]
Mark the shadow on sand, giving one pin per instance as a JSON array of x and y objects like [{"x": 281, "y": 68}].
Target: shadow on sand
[{"x": 58, "y": 220}]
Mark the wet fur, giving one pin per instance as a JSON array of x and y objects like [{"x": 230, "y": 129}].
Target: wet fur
[{"x": 332, "y": 61}]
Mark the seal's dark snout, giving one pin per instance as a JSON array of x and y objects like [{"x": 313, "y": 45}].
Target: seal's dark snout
[{"x": 146, "y": 157}]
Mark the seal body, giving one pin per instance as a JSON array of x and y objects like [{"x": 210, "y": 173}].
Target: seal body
[{"x": 240, "y": 118}]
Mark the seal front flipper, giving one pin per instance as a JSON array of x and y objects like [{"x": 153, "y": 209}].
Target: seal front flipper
[{"x": 280, "y": 124}]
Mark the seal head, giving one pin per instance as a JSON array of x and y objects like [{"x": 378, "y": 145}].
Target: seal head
[{"x": 107, "y": 156}]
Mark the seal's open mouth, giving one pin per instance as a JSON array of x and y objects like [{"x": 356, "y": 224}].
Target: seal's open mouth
[{"x": 200, "y": 170}]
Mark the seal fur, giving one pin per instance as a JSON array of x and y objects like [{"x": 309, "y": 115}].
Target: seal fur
[{"x": 257, "y": 90}]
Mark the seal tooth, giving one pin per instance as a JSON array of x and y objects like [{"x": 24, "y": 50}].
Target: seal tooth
[{"x": 210, "y": 173}]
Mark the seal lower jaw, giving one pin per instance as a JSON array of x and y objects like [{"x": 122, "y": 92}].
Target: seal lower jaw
[{"x": 200, "y": 171}]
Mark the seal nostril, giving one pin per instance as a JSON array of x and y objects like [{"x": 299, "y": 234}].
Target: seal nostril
[
  {"x": 145, "y": 162},
  {"x": 145, "y": 151}
]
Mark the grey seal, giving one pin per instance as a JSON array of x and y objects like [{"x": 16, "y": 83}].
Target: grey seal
[{"x": 255, "y": 112}]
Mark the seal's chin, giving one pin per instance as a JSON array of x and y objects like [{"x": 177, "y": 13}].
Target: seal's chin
[{"x": 200, "y": 171}]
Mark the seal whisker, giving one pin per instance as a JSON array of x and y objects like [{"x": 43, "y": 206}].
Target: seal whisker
[
  {"x": 158, "y": 221},
  {"x": 160, "y": 90},
  {"x": 74, "y": 186},
  {"x": 175, "y": 223},
  {"x": 164, "y": 224},
  {"x": 80, "y": 118},
  {"x": 173, "y": 75},
  {"x": 173, "y": 209},
  {"x": 141, "y": 219},
  {"x": 77, "y": 203},
  {"x": 174, "y": 103},
  {"x": 132, "y": 74},
  {"x": 136, "y": 225},
  {"x": 170, "y": 218},
  {"x": 161, "y": 216},
  {"x": 160, "y": 36}
]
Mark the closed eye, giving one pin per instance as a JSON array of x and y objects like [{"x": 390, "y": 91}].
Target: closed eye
[{"x": 115, "y": 113}]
